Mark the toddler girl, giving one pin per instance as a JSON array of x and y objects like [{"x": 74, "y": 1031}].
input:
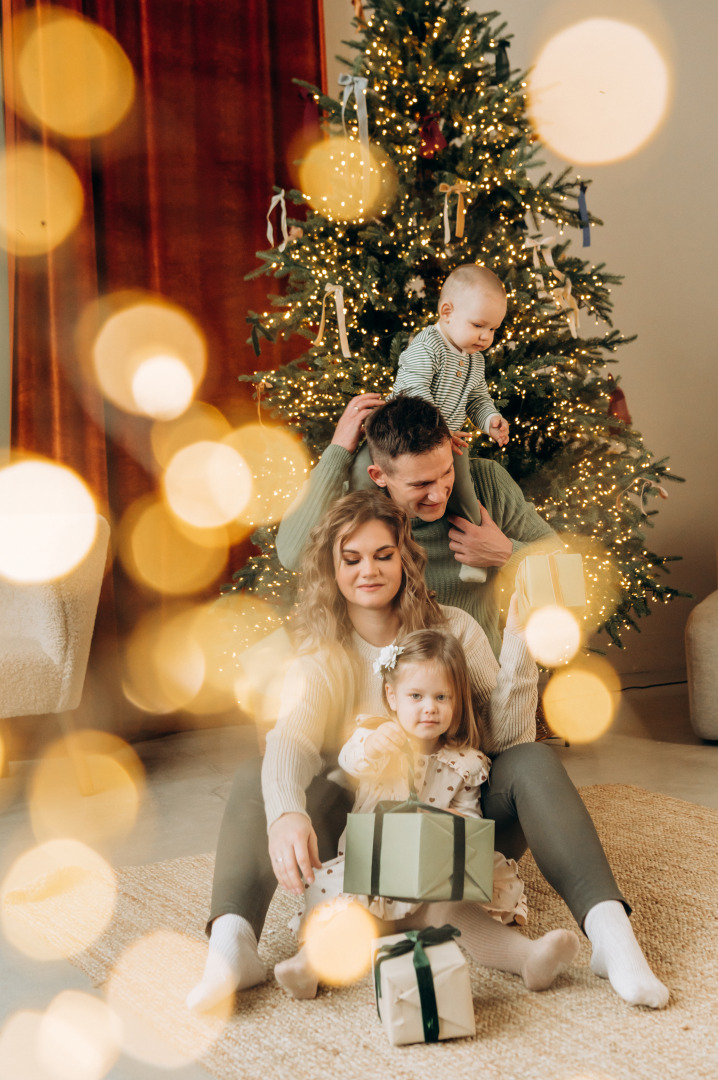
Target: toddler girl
[{"x": 428, "y": 691}]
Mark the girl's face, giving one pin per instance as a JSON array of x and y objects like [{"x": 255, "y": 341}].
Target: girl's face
[
  {"x": 423, "y": 699},
  {"x": 367, "y": 567}
]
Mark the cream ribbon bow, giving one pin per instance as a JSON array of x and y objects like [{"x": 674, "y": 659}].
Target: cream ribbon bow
[
  {"x": 278, "y": 200},
  {"x": 561, "y": 294},
  {"x": 357, "y": 85},
  {"x": 447, "y": 189},
  {"x": 645, "y": 486},
  {"x": 338, "y": 292}
]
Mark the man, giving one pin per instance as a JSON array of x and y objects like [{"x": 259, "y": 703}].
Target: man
[{"x": 413, "y": 461}]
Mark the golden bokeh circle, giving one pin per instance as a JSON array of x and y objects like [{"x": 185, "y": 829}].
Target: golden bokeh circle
[
  {"x": 165, "y": 665},
  {"x": 278, "y": 462},
  {"x": 338, "y": 941},
  {"x": 147, "y": 990},
  {"x": 112, "y": 779},
  {"x": 166, "y": 555},
  {"x": 553, "y": 635},
  {"x": 78, "y": 1038},
  {"x": 72, "y": 76},
  {"x": 48, "y": 521},
  {"x": 345, "y": 181},
  {"x": 140, "y": 331},
  {"x": 208, "y": 484},
  {"x": 57, "y": 899},
  {"x": 580, "y": 700},
  {"x": 200, "y": 423},
  {"x": 41, "y": 199}
]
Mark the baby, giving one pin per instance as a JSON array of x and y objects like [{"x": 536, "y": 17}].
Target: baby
[{"x": 444, "y": 365}]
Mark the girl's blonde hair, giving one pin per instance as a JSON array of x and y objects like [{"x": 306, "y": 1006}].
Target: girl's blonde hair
[
  {"x": 423, "y": 646},
  {"x": 321, "y": 617}
]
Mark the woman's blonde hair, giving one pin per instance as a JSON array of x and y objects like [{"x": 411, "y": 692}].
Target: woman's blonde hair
[
  {"x": 321, "y": 616},
  {"x": 423, "y": 646}
]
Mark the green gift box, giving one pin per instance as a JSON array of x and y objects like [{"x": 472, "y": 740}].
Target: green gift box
[{"x": 415, "y": 852}]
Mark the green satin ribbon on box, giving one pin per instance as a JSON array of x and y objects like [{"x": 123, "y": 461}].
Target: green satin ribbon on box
[
  {"x": 413, "y": 806},
  {"x": 416, "y": 941}
]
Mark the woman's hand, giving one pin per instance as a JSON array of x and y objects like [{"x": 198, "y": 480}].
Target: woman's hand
[
  {"x": 351, "y": 423},
  {"x": 386, "y": 740},
  {"x": 293, "y": 850}
]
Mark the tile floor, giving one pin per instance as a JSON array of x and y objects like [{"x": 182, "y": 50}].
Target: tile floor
[{"x": 188, "y": 775}]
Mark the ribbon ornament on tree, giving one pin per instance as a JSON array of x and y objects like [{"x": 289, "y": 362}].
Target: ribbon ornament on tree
[
  {"x": 278, "y": 200},
  {"x": 415, "y": 941},
  {"x": 448, "y": 189},
  {"x": 561, "y": 294},
  {"x": 583, "y": 216},
  {"x": 645, "y": 486},
  {"x": 338, "y": 292},
  {"x": 355, "y": 84}
]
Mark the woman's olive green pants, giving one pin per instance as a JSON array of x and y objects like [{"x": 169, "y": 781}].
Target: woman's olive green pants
[{"x": 529, "y": 795}]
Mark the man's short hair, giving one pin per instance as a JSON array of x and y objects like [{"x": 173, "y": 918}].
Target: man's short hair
[{"x": 404, "y": 425}]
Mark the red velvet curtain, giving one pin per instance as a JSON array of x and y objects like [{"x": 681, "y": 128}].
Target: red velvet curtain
[{"x": 175, "y": 202}]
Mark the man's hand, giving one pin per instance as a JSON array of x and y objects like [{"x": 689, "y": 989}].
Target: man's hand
[
  {"x": 293, "y": 849},
  {"x": 387, "y": 739},
  {"x": 351, "y": 423},
  {"x": 499, "y": 430},
  {"x": 475, "y": 545}
]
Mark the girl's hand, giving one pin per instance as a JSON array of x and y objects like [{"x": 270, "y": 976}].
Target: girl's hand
[
  {"x": 458, "y": 442},
  {"x": 388, "y": 739}
]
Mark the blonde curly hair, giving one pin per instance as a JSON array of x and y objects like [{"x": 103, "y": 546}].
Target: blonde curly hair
[{"x": 321, "y": 617}]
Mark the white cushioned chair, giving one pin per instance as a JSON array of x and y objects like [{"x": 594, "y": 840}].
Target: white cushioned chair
[
  {"x": 45, "y": 637},
  {"x": 702, "y": 664}
]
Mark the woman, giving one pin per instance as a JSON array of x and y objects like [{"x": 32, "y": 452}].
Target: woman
[{"x": 363, "y": 583}]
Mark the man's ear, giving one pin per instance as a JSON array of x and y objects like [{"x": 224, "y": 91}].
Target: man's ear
[{"x": 377, "y": 474}]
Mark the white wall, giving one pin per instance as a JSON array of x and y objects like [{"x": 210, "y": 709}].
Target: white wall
[{"x": 660, "y": 210}]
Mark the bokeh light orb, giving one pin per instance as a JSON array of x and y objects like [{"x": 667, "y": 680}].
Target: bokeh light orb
[
  {"x": 115, "y": 776},
  {"x": 168, "y": 556},
  {"x": 57, "y": 899},
  {"x": 338, "y": 942},
  {"x": 73, "y": 77},
  {"x": 598, "y": 91},
  {"x": 279, "y": 465},
  {"x": 165, "y": 665},
  {"x": 162, "y": 387},
  {"x": 208, "y": 484},
  {"x": 48, "y": 521},
  {"x": 78, "y": 1037},
  {"x": 199, "y": 423},
  {"x": 149, "y": 355},
  {"x": 580, "y": 700},
  {"x": 552, "y": 635},
  {"x": 147, "y": 991},
  {"x": 41, "y": 199},
  {"x": 346, "y": 181}
]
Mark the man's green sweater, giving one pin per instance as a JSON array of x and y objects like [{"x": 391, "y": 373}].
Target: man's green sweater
[{"x": 498, "y": 493}]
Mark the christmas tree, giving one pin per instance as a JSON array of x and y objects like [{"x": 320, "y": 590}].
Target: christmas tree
[{"x": 449, "y": 132}]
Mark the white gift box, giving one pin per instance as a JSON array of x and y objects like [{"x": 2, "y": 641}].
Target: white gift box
[
  {"x": 543, "y": 580},
  {"x": 399, "y": 1000}
]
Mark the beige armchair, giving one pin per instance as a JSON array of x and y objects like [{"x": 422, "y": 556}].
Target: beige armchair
[{"x": 45, "y": 636}]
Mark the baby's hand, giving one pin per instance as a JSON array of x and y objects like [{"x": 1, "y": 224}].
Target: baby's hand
[
  {"x": 458, "y": 442},
  {"x": 387, "y": 739},
  {"x": 499, "y": 430}
]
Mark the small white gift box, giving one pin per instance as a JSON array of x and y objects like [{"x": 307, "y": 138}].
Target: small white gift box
[
  {"x": 550, "y": 579},
  {"x": 422, "y": 986}
]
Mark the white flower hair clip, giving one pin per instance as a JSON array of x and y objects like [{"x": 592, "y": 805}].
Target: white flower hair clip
[{"x": 387, "y": 659}]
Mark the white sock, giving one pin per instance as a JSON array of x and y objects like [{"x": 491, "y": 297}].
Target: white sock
[
  {"x": 297, "y": 977},
  {"x": 617, "y": 956},
  {"x": 233, "y": 963},
  {"x": 477, "y": 574}
]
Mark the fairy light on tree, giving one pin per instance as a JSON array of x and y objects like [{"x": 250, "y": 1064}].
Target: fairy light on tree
[{"x": 443, "y": 111}]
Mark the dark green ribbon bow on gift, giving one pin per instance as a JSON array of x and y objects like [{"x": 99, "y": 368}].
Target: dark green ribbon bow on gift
[{"x": 416, "y": 940}]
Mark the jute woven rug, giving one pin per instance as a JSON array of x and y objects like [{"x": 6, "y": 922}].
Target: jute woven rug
[{"x": 665, "y": 856}]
